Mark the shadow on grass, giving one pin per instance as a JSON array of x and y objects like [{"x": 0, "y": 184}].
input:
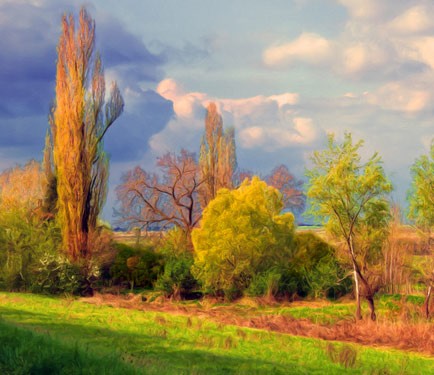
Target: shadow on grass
[{"x": 146, "y": 353}]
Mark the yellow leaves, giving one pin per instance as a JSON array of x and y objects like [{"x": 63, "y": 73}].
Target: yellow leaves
[
  {"x": 78, "y": 124},
  {"x": 22, "y": 187}
]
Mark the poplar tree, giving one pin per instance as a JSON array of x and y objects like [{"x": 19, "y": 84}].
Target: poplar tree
[
  {"x": 80, "y": 119},
  {"x": 217, "y": 158}
]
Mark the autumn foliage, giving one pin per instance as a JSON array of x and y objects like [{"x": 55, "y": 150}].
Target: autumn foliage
[
  {"x": 217, "y": 159},
  {"x": 80, "y": 119}
]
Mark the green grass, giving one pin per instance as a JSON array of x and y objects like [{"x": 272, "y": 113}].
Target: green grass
[{"x": 49, "y": 334}]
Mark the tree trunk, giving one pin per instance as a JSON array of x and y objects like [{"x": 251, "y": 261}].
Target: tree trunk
[
  {"x": 370, "y": 300},
  {"x": 357, "y": 292},
  {"x": 425, "y": 306}
]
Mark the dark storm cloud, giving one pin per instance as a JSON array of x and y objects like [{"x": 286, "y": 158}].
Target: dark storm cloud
[
  {"x": 29, "y": 34},
  {"x": 128, "y": 139},
  {"x": 126, "y": 53},
  {"x": 27, "y": 59}
]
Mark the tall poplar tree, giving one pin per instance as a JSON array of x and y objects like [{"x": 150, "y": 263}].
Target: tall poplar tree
[
  {"x": 80, "y": 118},
  {"x": 217, "y": 158}
]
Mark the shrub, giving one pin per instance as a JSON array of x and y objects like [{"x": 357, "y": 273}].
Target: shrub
[
  {"x": 176, "y": 280},
  {"x": 24, "y": 241},
  {"x": 137, "y": 266},
  {"x": 314, "y": 269}
]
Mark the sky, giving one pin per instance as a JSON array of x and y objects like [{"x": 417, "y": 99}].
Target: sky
[{"x": 283, "y": 73}]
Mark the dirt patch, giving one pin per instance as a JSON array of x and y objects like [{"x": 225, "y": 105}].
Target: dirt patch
[{"x": 418, "y": 337}]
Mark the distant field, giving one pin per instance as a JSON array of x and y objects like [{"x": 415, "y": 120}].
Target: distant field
[{"x": 63, "y": 335}]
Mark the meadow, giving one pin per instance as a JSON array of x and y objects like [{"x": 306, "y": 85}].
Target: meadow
[{"x": 122, "y": 335}]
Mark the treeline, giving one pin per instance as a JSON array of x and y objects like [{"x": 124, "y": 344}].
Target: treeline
[{"x": 227, "y": 232}]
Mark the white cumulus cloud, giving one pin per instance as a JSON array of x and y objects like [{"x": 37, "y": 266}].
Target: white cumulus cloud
[{"x": 308, "y": 48}]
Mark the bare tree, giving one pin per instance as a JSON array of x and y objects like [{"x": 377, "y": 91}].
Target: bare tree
[
  {"x": 289, "y": 186},
  {"x": 167, "y": 199}
]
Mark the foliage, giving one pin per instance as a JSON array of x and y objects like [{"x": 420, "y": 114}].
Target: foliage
[
  {"x": 80, "y": 118},
  {"x": 165, "y": 200},
  {"x": 24, "y": 242},
  {"x": 241, "y": 234},
  {"x": 24, "y": 235},
  {"x": 55, "y": 274},
  {"x": 421, "y": 210},
  {"x": 350, "y": 198},
  {"x": 315, "y": 268},
  {"x": 138, "y": 266},
  {"x": 217, "y": 159},
  {"x": 421, "y": 195},
  {"x": 176, "y": 279}
]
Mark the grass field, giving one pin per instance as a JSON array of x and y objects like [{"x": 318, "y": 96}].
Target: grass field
[{"x": 43, "y": 335}]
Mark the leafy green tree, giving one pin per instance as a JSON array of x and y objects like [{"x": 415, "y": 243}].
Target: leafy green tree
[
  {"x": 421, "y": 210},
  {"x": 241, "y": 233},
  {"x": 350, "y": 199}
]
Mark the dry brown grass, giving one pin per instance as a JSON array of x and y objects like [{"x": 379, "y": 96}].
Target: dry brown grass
[{"x": 399, "y": 332}]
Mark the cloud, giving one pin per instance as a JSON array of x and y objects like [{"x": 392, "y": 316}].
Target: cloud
[
  {"x": 382, "y": 41},
  {"x": 402, "y": 97},
  {"x": 368, "y": 10},
  {"x": 308, "y": 48},
  {"x": 30, "y": 32},
  {"x": 415, "y": 20},
  {"x": 128, "y": 139},
  {"x": 268, "y": 127}
]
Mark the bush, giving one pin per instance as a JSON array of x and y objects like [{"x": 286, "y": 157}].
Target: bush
[
  {"x": 314, "y": 269},
  {"x": 56, "y": 275},
  {"x": 137, "y": 266},
  {"x": 25, "y": 242},
  {"x": 176, "y": 281},
  {"x": 265, "y": 284}
]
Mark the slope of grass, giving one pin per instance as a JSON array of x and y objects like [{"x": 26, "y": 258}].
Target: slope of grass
[{"x": 72, "y": 332}]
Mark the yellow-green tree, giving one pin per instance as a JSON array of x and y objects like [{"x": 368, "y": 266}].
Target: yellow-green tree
[
  {"x": 23, "y": 235},
  {"x": 80, "y": 119},
  {"x": 241, "y": 233},
  {"x": 217, "y": 158},
  {"x": 349, "y": 197},
  {"x": 421, "y": 210}
]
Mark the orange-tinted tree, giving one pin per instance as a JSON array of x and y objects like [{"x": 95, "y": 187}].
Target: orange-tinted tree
[
  {"x": 217, "y": 158},
  {"x": 289, "y": 186},
  {"x": 80, "y": 119},
  {"x": 170, "y": 198}
]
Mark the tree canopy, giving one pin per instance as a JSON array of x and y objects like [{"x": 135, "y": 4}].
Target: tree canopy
[
  {"x": 241, "y": 233},
  {"x": 349, "y": 197},
  {"x": 421, "y": 194}
]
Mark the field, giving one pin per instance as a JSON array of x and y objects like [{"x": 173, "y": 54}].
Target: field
[{"x": 122, "y": 335}]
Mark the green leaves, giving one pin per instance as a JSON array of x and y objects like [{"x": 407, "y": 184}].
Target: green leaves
[
  {"x": 340, "y": 185},
  {"x": 241, "y": 233},
  {"x": 421, "y": 194}
]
